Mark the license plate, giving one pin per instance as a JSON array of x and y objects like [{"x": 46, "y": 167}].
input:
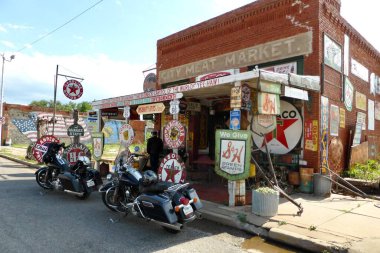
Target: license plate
[
  {"x": 90, "y": 183},
  {"x": 187, "y": 210}
]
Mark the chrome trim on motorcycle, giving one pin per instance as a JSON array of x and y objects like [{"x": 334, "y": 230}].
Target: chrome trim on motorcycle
[{"x": 79, "y": 194}]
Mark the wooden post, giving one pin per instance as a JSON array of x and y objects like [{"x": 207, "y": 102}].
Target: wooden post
[{"x": 75, "y": 116}]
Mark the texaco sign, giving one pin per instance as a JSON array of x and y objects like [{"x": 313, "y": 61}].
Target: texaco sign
[
  {"x": 73, "y": 151},
  {"x": 171, "y": 169},
  {"x": 126, "y": 135},
  {"x": 287, "y": 133},
  {"x": 41, "y": 147},
  {"x": 72, "y": 89},
  {"x": 174, "y": 134}
]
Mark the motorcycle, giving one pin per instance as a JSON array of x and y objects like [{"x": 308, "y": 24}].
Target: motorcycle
[
  {"x": 166, "y": 204},
  {"x": 77, "y": 179}
]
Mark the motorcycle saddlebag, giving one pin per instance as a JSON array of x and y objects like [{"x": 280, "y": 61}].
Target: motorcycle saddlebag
[
  {"x": 157, "y": 207},
  {"x": 191, "y": 193},
  {"x": 70, "y": 182}
]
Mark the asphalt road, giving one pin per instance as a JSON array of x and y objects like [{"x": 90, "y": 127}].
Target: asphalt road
[{"x": 36, "y": 220}]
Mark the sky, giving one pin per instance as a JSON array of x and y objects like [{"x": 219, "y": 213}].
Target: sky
[{"x": 111, "y": 44}]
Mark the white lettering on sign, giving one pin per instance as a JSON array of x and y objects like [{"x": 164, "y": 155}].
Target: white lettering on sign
[{"x": 300, "y": 44}]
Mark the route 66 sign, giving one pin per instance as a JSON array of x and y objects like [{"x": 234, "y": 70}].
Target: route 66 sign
[
  {"x": 72, "y": 89},
  {"x": 127, "y": 112},
  {"x": 174, "y": 107}
]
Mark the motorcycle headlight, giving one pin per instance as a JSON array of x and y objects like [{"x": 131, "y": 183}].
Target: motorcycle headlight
[
  {"x": 109, "y": 176},
  {"x": 84, "y": 159}
]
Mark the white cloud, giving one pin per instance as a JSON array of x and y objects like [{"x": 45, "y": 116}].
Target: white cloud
[
  {"x": 8, "y": 44},
  {"x": 19, "y": 27},
  {"x": 31, "y": 77},
  {"x": 2, "y": 29}
]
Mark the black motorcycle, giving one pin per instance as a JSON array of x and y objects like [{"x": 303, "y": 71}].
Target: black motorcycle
[
  {"x": 167, "y": 204},
  {"x": 78, "y": 179}
]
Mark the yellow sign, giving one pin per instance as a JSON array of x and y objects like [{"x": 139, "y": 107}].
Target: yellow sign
[
  {"x": 236, "y": 97},
  {"x": 150, "y": 108},
  {"x": 342, "y": 118},
  {"x": 361, "y": 101}
]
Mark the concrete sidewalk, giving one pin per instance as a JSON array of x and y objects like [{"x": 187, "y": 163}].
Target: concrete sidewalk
[{"x": 335, "y": 224}]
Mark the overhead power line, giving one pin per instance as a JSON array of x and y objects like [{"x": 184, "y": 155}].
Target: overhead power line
[{"x": 56, "y": 29}]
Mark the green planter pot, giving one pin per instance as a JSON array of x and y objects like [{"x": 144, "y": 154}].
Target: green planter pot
[{"x": 265, "y": 204}]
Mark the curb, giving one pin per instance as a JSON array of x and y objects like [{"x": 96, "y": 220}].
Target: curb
[{"x": 35, "y": 166}]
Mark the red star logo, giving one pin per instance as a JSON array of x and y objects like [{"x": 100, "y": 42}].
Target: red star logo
[
  {"x": 278, "y": 133},
  {"x": 171, "y": 173},
  {"x": 73, "y": 89}
]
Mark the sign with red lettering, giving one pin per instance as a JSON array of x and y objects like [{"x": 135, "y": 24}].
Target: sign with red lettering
[
  {"x": 268, "y": 103},
  {"x": 150, "y": 108},
  {"x": 41, "y": 147},
  {"x": 72, "y": 89},
  {"x": 73, "y": 151},
  {"x": 233, "y": 154},
  {"x": 174, "y": 134},
  {"x": 172, "y": 169}
]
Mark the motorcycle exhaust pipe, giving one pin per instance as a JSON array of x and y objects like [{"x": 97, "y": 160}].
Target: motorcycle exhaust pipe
[
  {"x": 176, "y": 226},
  {"x": 79, "y": 194}
]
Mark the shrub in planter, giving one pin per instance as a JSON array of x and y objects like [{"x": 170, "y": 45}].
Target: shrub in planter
[{"x": 265, "y": 201}]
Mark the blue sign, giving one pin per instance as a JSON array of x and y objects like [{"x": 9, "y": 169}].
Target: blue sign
[{"x": 235, "y": 120}]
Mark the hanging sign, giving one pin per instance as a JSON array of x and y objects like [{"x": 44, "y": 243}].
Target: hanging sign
[
  {"x": 235, "y": 119},
  {"x": 127, "y": 112},
  {"x": 269, "y": 87},
  {"x": 41, "y": 146},
  {"x": 233, "y": 154},
  {"x": 97, "y": 145},
  {"x": 268, "y": 103},
  {"x": 246, "y": 98},
  {"x": 361, "y": 101},
  {"x": 296, "y": 93},
  {"x": 72, "y": 89},
  {"x": 73, "y": 151},
  {"x": 236, "y": 97},
  {"x": 287, "y": 134},
  {"x": 264, "y": 123},
  {"x": 113, "y": 112},
  {"x": 348, "y": 94},
  {"x": 75, "y": 130},
  {"x": 171, "y": 169},
  {"x": 342, "y": 118},
  {"x": 150, "y": 108},
  {"x": 174, "y": 134},
  {"x": 174, "y": 107},
  {"x": 126, "y": 135},
  {"x": 324, "y": 133}
]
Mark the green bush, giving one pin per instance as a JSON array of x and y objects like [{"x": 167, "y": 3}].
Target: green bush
[{"x": 369, "y": 171}]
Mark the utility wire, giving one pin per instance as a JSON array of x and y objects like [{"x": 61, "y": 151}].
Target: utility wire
[{"x": 56, "y": 29}]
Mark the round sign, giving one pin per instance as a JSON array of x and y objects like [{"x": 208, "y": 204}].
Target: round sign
[
  {"x": 75, "y": 130},
  {"x": 73, "y": 151},
  {"x": 287, "y": 133},
  {"x": 171, "y": 169},
  {"x": 41, "y": 147},
  {"x": 72, "y": 89},
  {"x": 126, "y": 135},
  {"x": 174, "y": 134}
]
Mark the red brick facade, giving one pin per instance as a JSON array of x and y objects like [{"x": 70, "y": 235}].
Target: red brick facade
[{"x": 269, "y": 20}]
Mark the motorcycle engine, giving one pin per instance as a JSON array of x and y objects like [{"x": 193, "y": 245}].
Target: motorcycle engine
[{"x": 57, "y": 185}]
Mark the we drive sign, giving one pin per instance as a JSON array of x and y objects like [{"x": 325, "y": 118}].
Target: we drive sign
[{"x": 233, "y": 154}]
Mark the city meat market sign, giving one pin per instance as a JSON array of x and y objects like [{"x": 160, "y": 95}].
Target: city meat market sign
[
  {"x": 233, "y": 154},
  {"x": 300, "y": 44}
]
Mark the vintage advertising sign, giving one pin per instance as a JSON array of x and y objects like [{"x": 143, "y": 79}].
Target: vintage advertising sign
[
  {"x": 360, "y": 121},
  {"x": 246, "y": 97},
  {"x": 264, "y": 123},
  {"x": 332, "y": 54},
  {"x": 268, "y": 103},
  {"x": 110, "y": 112},
  {"x": 324, "y": 133},
  {"x": 75, "y": 130},
  {"x": 233, "y": 154},
  {"x": 311, "y": 135},
  {"x": 348, "y": 94},
  {"x": 236, "y": 97},
  {"x": 377, "y": 110},
  {"x": 174, "y": 107},
  {"x": 193, "y": 106},
  {"x": 126, "y": 135},
  {"x": 334, "y": 120},
  {"x": 346, "y": 55},
  {"x": 269, "y": 87},
  {"x": 300, "y": 44},
  {"x": 235, "y": 119},
  {"x": 216, "y": 74},
  {"x": 371, "y": 114},
  {"x": 127, "y": 112},
  {"x": 359, "y": 70},
  {"x": 373, "y": 80},
  {"x": 150, "y": 108},
  {"x": 174, "y": 134},
  {"x": 287, "y": 134},
  {"x": 97, "y": 145},
  {"x": 342, "y": 117},
  {"x": 72, "y": 89},
  {"x": 286, "y": 68},
  {"x": 296, "y": 93},
  {"x": 41, "y": 146},
  {"x": 73, "y": 151},
  {"x": 361, "y": 101},
  {"x": 150, "y": 82},
  {"x": 172, "y": 169}
]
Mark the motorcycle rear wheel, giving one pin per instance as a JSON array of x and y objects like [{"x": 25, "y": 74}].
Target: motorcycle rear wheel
[
  {"x": 107, "y": 198},
  {"x": 40, "y": 178}
]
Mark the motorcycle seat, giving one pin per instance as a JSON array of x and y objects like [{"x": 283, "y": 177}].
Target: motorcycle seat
[{"x": 158, "y": 187}]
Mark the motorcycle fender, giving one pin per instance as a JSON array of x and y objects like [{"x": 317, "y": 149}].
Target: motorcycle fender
[
  {"x": 41, "y": 169},
  {"x": 191, "y": 194},
  {"x": 106, "y": 186}
]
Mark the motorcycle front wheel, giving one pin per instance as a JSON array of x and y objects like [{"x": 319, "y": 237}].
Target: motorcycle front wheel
[
  {"x": 43, "y": 180},
  {"x": 111, "y": 202}
]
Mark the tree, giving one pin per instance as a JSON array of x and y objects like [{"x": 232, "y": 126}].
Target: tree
[{"x": 81, "y": 107}]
